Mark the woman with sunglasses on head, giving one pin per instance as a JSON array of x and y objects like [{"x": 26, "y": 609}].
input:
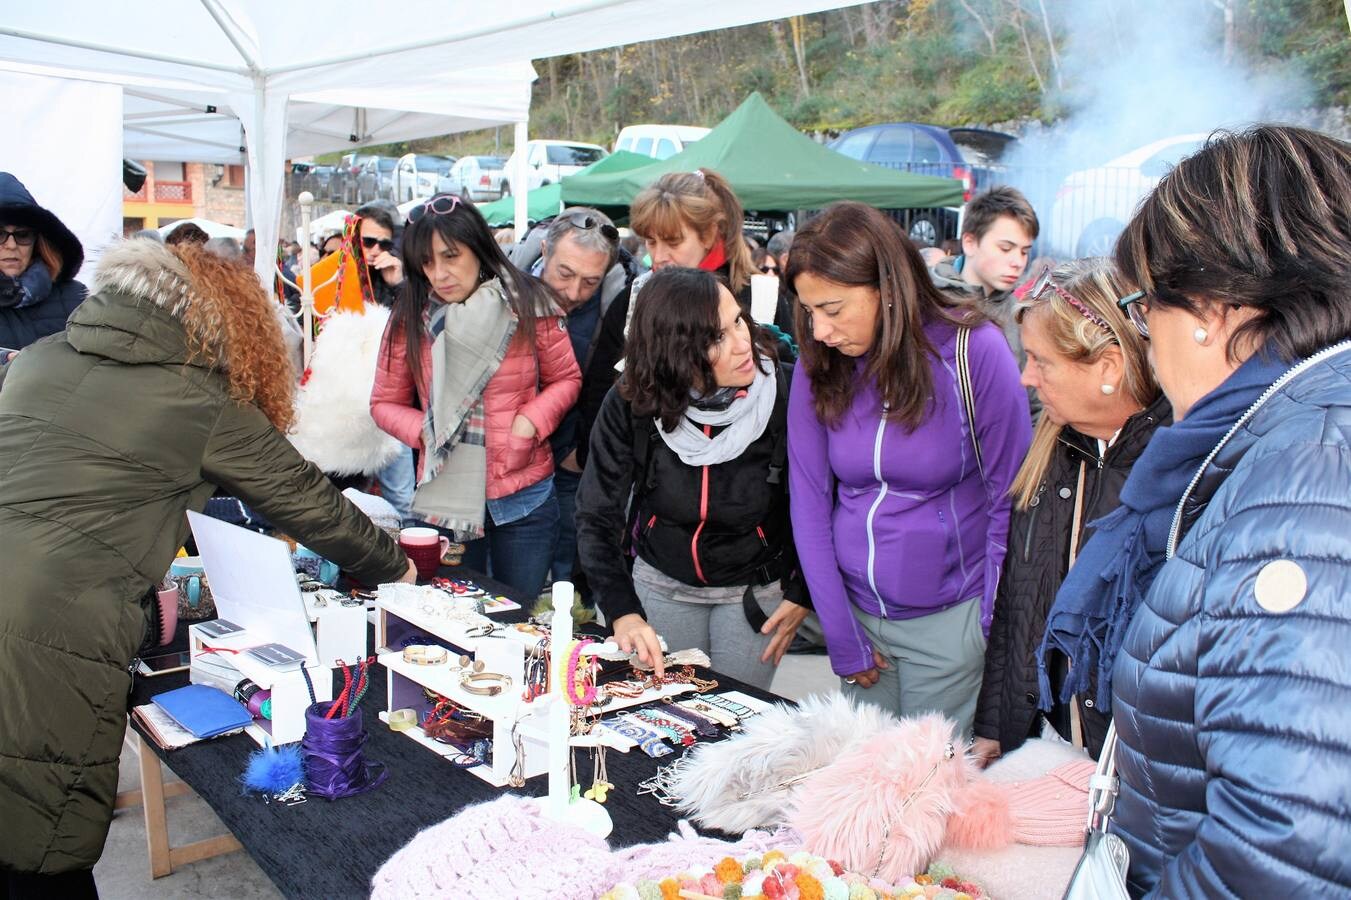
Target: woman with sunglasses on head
[
  {"x": 1211, "y": 608},
  {"x": 39, "y": 258},
  {"x": 695, "y": 432},
  {"x": 907, "y": 424},
  {"x": 1100, "y": 406},
  {"x": 475, "y": 372}
]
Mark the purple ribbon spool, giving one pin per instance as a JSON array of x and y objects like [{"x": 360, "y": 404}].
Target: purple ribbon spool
[{"x": 335, "y": 766}]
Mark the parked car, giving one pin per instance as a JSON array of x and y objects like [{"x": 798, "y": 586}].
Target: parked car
[
  {"x": 658, "y": 141},
  {"x": 475, "y": 178},
  {"x": 416, "y": 174},
  {"x": 342, "y": 187},
  {"x": 375, "y": 179},
  {"x": 971, "y": 155},
  {"x": 549, "y": 161},
  {"x": 1092, "y": 205}
]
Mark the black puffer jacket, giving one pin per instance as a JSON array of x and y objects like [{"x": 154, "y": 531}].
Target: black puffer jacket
[
  {"x": 722, "y": 525},
  {"x": 1037, "y": 560},
  {"x": 34, "y": 305}
]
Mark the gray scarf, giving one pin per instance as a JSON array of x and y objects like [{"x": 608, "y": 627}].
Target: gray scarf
[
  {"x": 745, "y": 419},
  {"x": 469, "y": 341}
]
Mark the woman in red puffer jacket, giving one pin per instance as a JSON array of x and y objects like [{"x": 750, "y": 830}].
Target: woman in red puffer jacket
[{"x": 481, "y": 418}]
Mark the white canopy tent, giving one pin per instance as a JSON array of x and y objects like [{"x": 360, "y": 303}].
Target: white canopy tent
[{"x": 258, "y": 58}]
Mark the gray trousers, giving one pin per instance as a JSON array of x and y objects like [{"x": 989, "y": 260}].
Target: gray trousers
[
  {"x": 719, "y": 629},
  {"x": 936, "y": 664}
]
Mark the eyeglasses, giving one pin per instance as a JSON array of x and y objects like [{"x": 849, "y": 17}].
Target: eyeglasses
[
  {"x": 1047, "y": 283},
  {"x": 441, "y": 205},
  {"x": 23, "y": 237},
  {"x": 586, "y": 223},
  {"x": 769, "y": 270},
  {"x": 371, "y": 243},
  {"x": 1135, "y": 306}
]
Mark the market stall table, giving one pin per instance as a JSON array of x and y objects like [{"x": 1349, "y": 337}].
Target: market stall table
[{"x": 332, "y": 849}]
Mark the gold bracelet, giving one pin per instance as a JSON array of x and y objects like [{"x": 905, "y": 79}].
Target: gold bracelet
[
  {"x": 425, "y": 654},
  {"x": 469, "y": 681}
]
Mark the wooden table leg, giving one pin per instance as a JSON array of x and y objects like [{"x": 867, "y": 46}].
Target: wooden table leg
[{"x": 152, "y": 796}]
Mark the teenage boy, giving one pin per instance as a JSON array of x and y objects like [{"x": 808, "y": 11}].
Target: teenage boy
[{"x": 997, "y": 236}]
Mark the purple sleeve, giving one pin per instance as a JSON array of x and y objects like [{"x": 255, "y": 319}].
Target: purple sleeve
[
  {"x": 811, "y": 489},
  {"x": 1004, "y": 429}
]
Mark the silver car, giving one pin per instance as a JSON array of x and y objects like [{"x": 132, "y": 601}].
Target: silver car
[{"x": 475, "y": 179}]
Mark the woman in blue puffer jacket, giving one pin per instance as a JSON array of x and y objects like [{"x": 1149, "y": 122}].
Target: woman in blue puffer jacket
[
  {"x": 1218, "y": 592},
  {"x": 39, "y": 257}
]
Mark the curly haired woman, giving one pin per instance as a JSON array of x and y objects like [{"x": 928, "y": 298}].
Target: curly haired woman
[{"x": 171, "y": 380}]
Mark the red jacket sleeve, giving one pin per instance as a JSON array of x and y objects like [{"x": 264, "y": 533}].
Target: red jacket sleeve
[
  {"x": 394, "y": 396},
  {"x": 559, "y": 375}
]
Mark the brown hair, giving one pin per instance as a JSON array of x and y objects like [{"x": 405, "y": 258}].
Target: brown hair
[
  {"x": 855, "y": 245},
  {"x": 187, "y": 233},
  {"x": 232, "y": 324},
  {"x": 50, "y": 256},
  {"x": 1096, "y": 284},
  {"x": 1260, "y": 219},
  {"x": 666, "y": 352},
  {"x": 703, "y": 201},
  {"x": 986, "y": 208}
]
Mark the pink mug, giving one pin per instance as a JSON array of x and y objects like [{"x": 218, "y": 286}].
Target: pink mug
[{"x": 425, "y": 547}]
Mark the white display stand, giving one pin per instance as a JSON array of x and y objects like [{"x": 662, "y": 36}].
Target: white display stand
[
  {"x": 290, "y": 697},
  {"x": 339, "y": 631}
]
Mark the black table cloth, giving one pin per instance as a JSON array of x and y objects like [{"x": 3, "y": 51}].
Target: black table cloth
[{"x": 331, "y": 849}]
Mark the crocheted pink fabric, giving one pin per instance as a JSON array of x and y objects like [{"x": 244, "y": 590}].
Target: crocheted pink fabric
[
  {"x": 1051, "y": 811},
  {"x": 508, "y": 849}
]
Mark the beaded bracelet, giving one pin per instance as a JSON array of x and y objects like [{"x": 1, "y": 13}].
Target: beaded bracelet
[
  {"x": 679, "y": 730},
  {"x": 649, "y": 741},
  {"x": 581, "y": 687},
  {"x": 737, "y": 709},
  {"x": 721, "y": 716},
  {"x": 705, "y": 727}
]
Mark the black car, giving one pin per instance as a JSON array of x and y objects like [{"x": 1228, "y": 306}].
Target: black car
[{"x": 970, "y": 155}]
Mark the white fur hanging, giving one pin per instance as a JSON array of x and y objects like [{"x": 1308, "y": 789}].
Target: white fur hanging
[
  {"x": 748, "y": 780},
  {"x": 333, "y": 428}
]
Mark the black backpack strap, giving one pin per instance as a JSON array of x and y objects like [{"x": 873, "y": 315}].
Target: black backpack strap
[{"x": 778, "y": 430}]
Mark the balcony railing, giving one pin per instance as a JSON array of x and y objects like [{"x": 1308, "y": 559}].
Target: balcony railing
[
  {"x": 173, "y": 191},
  {"x": 136, "y": 196}
]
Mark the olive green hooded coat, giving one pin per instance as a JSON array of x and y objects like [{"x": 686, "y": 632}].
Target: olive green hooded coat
[{"x": 108, "y": 433}]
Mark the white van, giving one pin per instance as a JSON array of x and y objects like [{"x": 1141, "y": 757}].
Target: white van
[
  {"x": 548, "y": 161},
  {"x": 658, "y": 141}
]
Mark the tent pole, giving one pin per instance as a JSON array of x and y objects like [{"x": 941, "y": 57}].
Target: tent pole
[
  {"x": 520, "y": 182},
  {"x": 307, "y": 286}
]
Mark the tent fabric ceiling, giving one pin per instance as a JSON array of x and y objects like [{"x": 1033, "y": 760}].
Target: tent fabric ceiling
[{"x": 259, "y": 58}]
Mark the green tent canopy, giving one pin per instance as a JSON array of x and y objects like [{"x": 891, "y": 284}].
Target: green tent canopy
[
  {"x": 543, "y": 202},
  {"x": 772, "y": 167}
]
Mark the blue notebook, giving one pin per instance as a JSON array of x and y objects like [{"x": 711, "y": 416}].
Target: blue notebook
[{"x": 204, "y": 710}]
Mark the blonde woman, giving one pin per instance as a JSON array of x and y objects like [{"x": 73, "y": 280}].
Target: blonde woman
[{"x": 1100, "y": 406}]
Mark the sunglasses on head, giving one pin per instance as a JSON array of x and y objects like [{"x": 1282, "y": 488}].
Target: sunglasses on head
[
  {"x": 583, "y": 221},
  {"x": 441, "y": 205},
  {"x": 371, "y": 243},
  {"x": 1046, "y": 285},
  {"x": 23, "y": 237}
]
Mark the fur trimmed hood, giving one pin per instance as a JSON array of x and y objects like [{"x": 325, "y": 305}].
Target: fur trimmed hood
[{"x": 150, "y": 271}]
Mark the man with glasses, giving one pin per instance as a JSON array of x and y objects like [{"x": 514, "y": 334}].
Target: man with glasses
[{"x": 581, "y": 261}]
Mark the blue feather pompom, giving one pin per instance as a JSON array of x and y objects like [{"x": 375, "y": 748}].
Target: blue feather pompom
[{"x": 273, "y": 770}]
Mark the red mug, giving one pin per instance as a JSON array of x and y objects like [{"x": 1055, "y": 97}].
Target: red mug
[{"x": 425, "y": 547}]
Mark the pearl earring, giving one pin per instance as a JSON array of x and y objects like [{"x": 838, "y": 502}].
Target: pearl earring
[
  {"x": 1200, "y": 335},
  {"x": 1108, "y": 389}
]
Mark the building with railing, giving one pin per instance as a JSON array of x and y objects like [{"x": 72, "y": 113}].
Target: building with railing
[{"x": 178, "y": 190}]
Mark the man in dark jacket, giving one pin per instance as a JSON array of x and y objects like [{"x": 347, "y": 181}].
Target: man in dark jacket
[
  {"x": 39, "y": 258},
  {"x": 581, "y": 260},
  {"x": 108, "y": 434}
]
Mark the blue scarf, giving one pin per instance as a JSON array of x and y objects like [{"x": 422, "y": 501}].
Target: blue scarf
[
  {"x": 1117, "y": 565},
  {"x": 29, "y": 289}
]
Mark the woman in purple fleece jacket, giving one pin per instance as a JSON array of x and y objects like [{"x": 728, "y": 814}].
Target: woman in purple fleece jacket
[{"x": 900, "y": 535}]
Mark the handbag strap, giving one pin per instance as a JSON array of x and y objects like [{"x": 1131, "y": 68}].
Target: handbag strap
[
  {"x": 968, "y": 394},
  {"x": 1104, "y": 785}
]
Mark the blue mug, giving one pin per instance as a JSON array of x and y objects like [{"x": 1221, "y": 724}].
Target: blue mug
[
  {"x": 193, "y": 592},
  {"x": 327, "y": 572}
]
